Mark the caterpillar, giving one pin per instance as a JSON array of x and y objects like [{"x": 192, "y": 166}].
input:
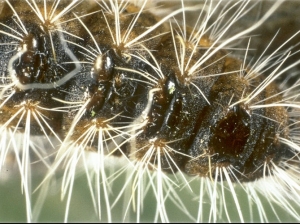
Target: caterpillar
[{"x": 147, "y": 102}]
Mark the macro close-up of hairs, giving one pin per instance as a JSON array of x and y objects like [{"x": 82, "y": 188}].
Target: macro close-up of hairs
[{"x": 149, "y": 111}]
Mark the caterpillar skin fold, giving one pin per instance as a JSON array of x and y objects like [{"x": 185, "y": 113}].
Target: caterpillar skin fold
[{"x": 170, "y": 106}]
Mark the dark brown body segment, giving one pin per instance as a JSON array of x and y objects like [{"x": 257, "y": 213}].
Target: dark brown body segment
[{"x": 200, "y": 118}]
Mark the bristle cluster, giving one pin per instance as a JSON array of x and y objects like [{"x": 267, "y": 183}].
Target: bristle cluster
[{"x": 110, "y": 79}]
